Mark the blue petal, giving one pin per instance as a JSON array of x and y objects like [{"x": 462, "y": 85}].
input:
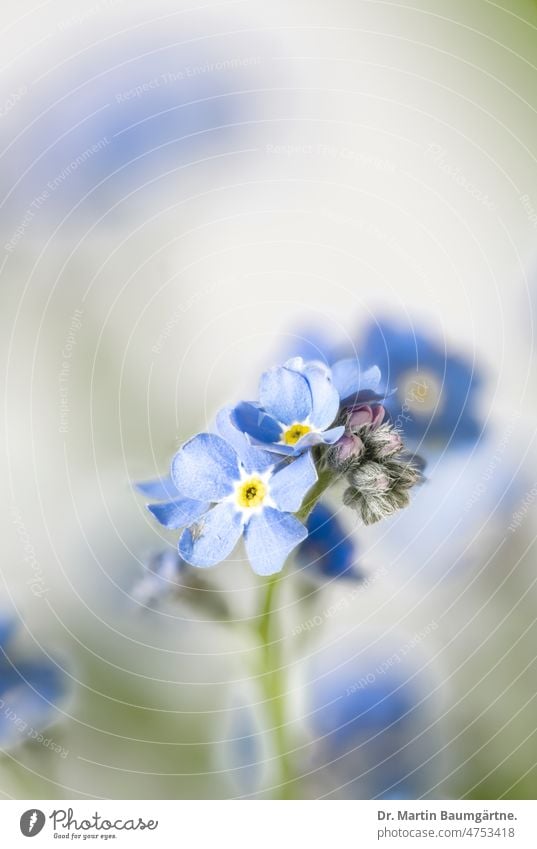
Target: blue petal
[
  {"x": 349, "y": 379},
  {"x": 205, "y": 468},
  {"x": 289, "y": 486},
  {"x": 309, "y": 440},
  {"x": 324, "y": 395},
  {"x": 285, "y": 394},
  {"x": 251, "y": 419},
  {"x": 212, "y": 538},
  {"x": 270, "y": 536},
  {"x": 178, "y": 513},
  {"x": 161, "y": 489},
  {"x": 253, "y": 459},
  {"x": 332, "y": 435}
]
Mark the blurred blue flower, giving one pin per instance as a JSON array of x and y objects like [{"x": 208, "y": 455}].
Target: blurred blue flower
[
  {"x": 299, "y": 401},
  {"x": 30, "y": 691},
  {"x": 7, "y": 627},
  {"x": 161, "y": 577},
  {"x": 370, "y": 719},
  {"x": 328, "y": 550},
  {"x": 130, "y": 119},
  {"x": 435, "y": 390}
]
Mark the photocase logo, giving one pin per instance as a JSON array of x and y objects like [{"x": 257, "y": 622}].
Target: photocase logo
[{"x": 32, "y": 822}]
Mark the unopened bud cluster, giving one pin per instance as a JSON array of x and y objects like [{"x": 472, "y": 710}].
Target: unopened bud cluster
[{"x": 373, "y": 458}]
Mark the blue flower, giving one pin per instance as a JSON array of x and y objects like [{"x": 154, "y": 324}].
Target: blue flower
[
  {"x": 328, "y": 549},
  {"x": 29, "y": 692},
  {"x": 251, "y": 498},
  {"x": 234, "y": 489},
  {"x": 163, "y": 117},
  {"x": 299, "y": 402},
  {"x": 369, "y": 720},
  {"x": 434, "y": 398}
]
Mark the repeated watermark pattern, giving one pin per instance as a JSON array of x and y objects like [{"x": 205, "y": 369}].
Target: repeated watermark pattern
[
  {"x": 13, "y": 99},
  {"x": 65, "y": 373},
  {"x": 31, "y": 733},
  {"x": 36, "y": 581},
  {"x": 343, "y": 603},
  {"x": 494, "y": 462},
  {"x": 393, "y": 660},
  {"x": 185, "y": 73},
  {"x": 52, "y": 186},
  {"x": 439, "y": 156},
  {"x": 522, "y": 511},
  {"x": 529, "y": 209},
  {"x": 183, "y": 308},
  {"x": 355, "y": 157},
  {"x": 85, "y": 15}
]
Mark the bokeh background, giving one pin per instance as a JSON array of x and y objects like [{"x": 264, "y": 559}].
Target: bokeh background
[{"x": 190, "y": 192}]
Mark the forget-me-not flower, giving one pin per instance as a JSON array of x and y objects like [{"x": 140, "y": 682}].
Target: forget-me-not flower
[
  {"x": 164, "y": 569},
  {"x": 299, "y": 403},
  {"x": 222, "y": 488},
  {"x": 250, "y": 497},
  {"x": 435, "y": 390},
  {"x": 254, "y": 473}
]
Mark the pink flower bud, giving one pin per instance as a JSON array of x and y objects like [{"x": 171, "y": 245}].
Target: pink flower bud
[
  {"x": 349, "y": 446},
  {"x": 390, "y": 444},
  {"x": 365, "y": 414}
]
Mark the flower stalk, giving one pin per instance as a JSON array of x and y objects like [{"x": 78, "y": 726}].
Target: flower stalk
[{"x": 273, "y": 681}]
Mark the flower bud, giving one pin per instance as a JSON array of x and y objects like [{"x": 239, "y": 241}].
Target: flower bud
[
  {"x": 385, "y": 442},
  {"x": 346, "y": 449},
  {"x": 364, "y": 414},
  {"x": 360, "y": 422},
  {"x": 370, "y": 478}
]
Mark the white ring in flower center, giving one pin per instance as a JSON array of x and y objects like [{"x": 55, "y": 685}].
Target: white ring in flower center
[
  {"x": 294, "y": 432},
  {"x": 252, "y": 493}
]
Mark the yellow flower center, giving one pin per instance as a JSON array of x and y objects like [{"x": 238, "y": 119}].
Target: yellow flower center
[
  {"x": 295, "y": 432},
  {"x": 421, "y": 392},
  {"x": 251, "y": 493}
]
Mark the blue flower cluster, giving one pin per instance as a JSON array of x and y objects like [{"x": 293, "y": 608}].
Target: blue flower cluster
[
  {"x": 435, "y": 389},
  {"x": 251, "y": 475}
]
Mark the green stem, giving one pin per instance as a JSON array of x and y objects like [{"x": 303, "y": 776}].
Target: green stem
[
  {"x": 273, "y": 682},
  {"x": 272, "y": 667},
  {"x": 323, "y": 482}
]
